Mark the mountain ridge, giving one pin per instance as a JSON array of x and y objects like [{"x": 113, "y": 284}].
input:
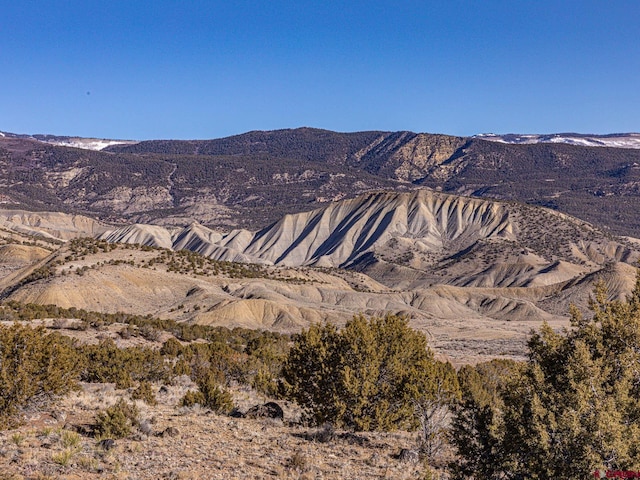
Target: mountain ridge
[
  {"x": 615, "y": 140},
  {"x": 429, "y": 228},
  {"x": 251, "y": 180}
]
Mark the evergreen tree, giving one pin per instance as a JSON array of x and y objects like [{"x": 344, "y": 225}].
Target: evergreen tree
[
  {"x": 574, "y": 407},
  {"x": 477, "y": 429},
  {"x": 34, "y": 366},
  {"x": 310, "y": 373},
  {"x": 372, "y": 375}
]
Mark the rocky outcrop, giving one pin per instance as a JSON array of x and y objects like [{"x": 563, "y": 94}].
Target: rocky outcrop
[
  {"x": 336, "y": 236},
  {"x": 477, "y": 242}
]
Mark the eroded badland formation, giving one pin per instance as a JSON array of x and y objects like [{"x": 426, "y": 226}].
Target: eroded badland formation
[{"x": 476, "y": 242}]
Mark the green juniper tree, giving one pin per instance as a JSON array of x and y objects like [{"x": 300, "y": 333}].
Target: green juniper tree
[
  {"x": 371, "y": 375},
  {"x": 574, "y": 407},
  {"x": 34, "y": 366},
  {"x": 477, "y": 426}
]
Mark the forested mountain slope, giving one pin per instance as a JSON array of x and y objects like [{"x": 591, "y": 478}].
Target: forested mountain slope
[{"x": 251, "y": 180}]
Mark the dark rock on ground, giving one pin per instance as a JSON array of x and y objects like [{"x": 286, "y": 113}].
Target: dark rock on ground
[
  {"x": 107, "y": 443},
  {"x": 267, "y": 410}
]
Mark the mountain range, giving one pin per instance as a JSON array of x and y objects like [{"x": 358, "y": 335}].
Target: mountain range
[
  {"x": 253, "y": 179},
  {"x": 620, "y": 140}
]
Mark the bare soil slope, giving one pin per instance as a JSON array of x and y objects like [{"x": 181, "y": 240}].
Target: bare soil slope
[{"x": 477, "y": 276}]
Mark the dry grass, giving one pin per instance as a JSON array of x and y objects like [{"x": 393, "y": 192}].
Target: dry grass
[{"x": 201, "y": 445}]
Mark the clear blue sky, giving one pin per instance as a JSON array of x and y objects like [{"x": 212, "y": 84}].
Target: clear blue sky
[{"x": 206, "y": 69}]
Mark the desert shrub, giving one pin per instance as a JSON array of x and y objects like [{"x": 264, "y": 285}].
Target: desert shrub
[
  {"x": 81, "y": 326},
  {"x": 34, "y": 366},
  {"x": 270, "y": 348},
  {"x": 267, "y": 353},
  {"x": 69, "y": 439},
  {"x": 64, "y": 457},
  {"x": 229, "y": 365},
  {"x": 59, "y": 323},
  {"x": 150, "y": 333},
  {"x": 235, "y": 339},
  {"x": 191, "y": 398},
  {"x": 216, "y": 397},
  {"x": 145, "y": 392},
  {"x": 369, "y": 376},
  {"x": 433, "y": 409},
  {"x": 181, "y": 367},
  {"x": 265, "y": 382},
  {"x": 128, "y": 332},
  {"x": 312, "y": 373},
  {"x": 233, "y": 366},
  {"x": 484, "y": 381},
  {"x": 217, "y": 358},
  {"x": 106, "y": 362},
  {"x": 17, "y": 439},
  {"x": 477, "y": 429},
  {"x": 171, "y": 348},
  {"x": 298, "y": 462},
  {"x": 38, "y": 274},
  {"x": 197, "y": 356},
  {"x": 117, "y": 421}
]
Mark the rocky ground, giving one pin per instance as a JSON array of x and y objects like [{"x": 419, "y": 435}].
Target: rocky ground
[{"x": 175, "y": 442}]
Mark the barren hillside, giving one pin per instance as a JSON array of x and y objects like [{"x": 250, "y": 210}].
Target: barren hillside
[{"x": 475, "y": 275}]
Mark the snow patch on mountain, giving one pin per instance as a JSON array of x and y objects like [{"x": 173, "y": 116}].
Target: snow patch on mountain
[
  {"x": 616, "y": 140},
  {"x": 87, "y": 143}
]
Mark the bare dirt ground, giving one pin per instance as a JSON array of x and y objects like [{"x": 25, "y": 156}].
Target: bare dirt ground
[{"x": 192, "y": 443}]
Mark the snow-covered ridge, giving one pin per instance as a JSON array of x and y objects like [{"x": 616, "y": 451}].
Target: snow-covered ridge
[
  {"x": 75, "y": 142},
  {"x": 87, "y": 143},
  {"x": 616, "y": 140}
]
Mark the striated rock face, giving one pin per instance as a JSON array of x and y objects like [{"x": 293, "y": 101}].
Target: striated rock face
[
  {"x": 340, "y": 234},
  {"x": 405, "y": 236},
  {"x": 129, "y": 200},
  {"x": 149, "y": 235},
  {"x": 408, "y": 156}
]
